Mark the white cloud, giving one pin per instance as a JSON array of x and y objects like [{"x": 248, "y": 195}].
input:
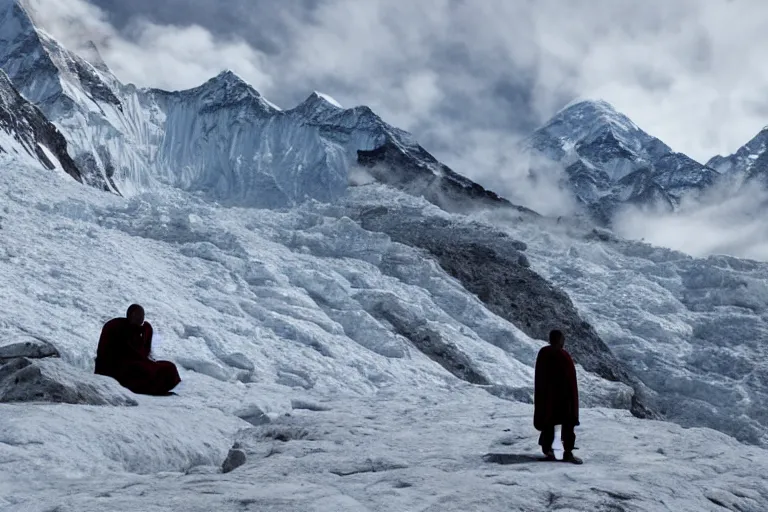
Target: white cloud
[{"x": 167, "y": 57}]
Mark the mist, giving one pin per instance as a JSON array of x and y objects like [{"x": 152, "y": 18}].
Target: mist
[
  {"x": 532, "y": 180},
  {"x": 725, "y": 220}
]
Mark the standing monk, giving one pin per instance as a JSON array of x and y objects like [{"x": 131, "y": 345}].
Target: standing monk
[
  {"x": 124, "y": 354},
  {"x": 556, "y": 397}
]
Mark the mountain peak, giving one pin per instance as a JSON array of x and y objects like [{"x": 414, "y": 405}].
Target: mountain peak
[
  {"x": 319, "y": 96},
  {"x": 229, "y": 77},
  {"x": 23, "y": 54},
  {"x": 231, "y": 81},
  {"x": 319, "y": 104},
  {"x": 18, "y": 21},
  {"x": 42, "y": 69},
  {"x": 8, "y": 4},
  {"x": 590, "y": 103},
  {"x": 608, "y": 160},
  {"x": 750, "y": 160},
  {"x": 589, "y": 114},
  {"x": 228, "y": 88},
  {"x": 587, "y": 122},
  {"x": 27, "y": 134}
]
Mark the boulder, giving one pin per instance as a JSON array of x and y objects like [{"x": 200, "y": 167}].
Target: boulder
[
  {"x": 33, "y": 348},
  {"x": 235, "y": 459},
  {"x": 53, "y": 380}
]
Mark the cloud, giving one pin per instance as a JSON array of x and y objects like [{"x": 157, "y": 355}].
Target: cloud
[
  {"x": 468, "y": 78},
  {"x": 147, "y": 54}
]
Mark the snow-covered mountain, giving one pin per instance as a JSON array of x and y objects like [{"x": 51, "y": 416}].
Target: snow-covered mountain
[
  {"x": 222, "y": 138},
  {"x": 72, "y": 93},
  {"x": 608, "y": 161},
  {"x": 27, "y": 135}
]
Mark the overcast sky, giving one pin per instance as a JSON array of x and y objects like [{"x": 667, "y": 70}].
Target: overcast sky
[{"x": 467, "y": 77}]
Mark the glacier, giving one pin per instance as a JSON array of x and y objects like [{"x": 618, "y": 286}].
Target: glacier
[
  {"x": 273, "y": 318},
  {"x": 689, "y": 328}
]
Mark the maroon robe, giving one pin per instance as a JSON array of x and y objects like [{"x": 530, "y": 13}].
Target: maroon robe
[
  {"x": 123, "y": 354},
  {"x": 556, "y": 393}
]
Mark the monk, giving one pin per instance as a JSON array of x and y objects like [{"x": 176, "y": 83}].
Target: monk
[
  {"x": 124, "y": 354},
  {"x": 556, "y": 398}
]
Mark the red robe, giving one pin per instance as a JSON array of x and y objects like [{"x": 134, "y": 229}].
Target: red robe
[
  {"x": 123, "y": 354},
  {"x": 556, "y": 393}
]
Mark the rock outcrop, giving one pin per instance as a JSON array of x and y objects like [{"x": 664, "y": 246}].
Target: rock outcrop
[{"x": 32, "y": 371}]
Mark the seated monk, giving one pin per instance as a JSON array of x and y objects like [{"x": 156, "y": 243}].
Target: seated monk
[{"x": 124, "y": 354}]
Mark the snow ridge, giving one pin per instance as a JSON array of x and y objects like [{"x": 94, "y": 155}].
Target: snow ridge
[
  {"x": 328, "y": 99},
  {"x": 222, "y": 138},
  {"x": 748, "y": 163}
]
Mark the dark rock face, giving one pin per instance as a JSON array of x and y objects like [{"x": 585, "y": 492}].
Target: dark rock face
[
  {"x": 90, "y": 166},
  {"x": 31, "y": 129},
  {"x": 604, "y": 148},
  {"x": 432, "y": 345},
  {"x": 391, "y": 165},
  {"x": 235, "y": 459},
  {"x": 489, "y": 264},
  {"x": 94, "y": 85}
]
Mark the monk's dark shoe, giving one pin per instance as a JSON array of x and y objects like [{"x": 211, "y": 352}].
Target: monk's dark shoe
[{"x": 570, "y": 457}]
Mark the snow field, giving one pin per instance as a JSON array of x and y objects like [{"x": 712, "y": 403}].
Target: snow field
[{"x": 399, "y": 449}]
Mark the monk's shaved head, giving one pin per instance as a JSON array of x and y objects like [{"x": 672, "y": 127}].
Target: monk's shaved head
[
  {"x": 135, "y": 314},
  {"x": 556, "y": 337}
]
